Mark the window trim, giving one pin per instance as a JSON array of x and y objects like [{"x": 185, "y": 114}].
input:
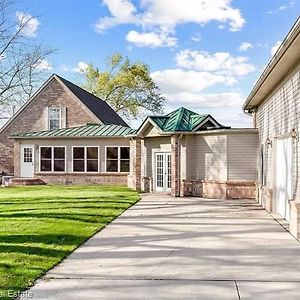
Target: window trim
[
  {"x": 52, "y": 159},
  {"x": 86, "y": 159},
  {"x": 119, "y": 159},
  {"x": 60, "y": 116}
]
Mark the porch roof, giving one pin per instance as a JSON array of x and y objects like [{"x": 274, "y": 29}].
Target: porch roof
[
  {"x": 182, "y": 120},
  {"x": 89, "y": 130}
]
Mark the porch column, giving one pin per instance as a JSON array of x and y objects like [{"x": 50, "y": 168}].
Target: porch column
[
  {"x": 294, "y": 226},
  {"x": 135, "y": 177},
  {"x": 175, "y": 166}
]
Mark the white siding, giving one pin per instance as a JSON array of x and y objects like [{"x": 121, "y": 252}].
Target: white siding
[
  {"x": 278, "y": 115},
  {"x": 210, "y": 157},
  {"x": 242, "y": 156},
  {"x": 152, "y": 145}
]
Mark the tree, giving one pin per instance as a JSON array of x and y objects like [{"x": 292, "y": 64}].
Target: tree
[
  {"x": 126, "y": 86},
  {"x": 23, "y": 63}
]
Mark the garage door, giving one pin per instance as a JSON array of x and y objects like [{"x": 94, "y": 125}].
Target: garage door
[{"x": 283, "y": 176}]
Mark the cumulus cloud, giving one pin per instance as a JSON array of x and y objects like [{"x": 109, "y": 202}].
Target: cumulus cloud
[
  {"x": 151, "y": 39},
  {"x": 206, "y": 100},
  {"x": 29, "y": 23},
  {"x": 44, "y": 64},
  {"x": 196, "y": 37},
  {"x": 245, "y": 46},
  {"x": 275, "y": 47},
  {"x": 173, "y": 81},
  {"x": 80, "y": 68},
  {"x": 219, "y": 62},
  {"x": 157, "y": 15}
]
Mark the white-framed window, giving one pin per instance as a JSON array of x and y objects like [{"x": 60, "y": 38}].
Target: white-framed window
[
  {"x": 85, "y": 159},
  {"x": 117, "y": 159},
  {"x": 52, "y": 159},
  {"x": 54, "y": 114}
]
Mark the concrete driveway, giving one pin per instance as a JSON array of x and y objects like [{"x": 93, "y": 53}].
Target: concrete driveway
[{"x": 181, "y": 248}]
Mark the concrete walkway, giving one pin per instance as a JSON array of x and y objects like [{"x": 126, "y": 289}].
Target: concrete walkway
[{"x": 181, "y": 248}]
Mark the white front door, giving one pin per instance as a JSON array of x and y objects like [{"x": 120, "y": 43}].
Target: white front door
[
  {"x": 283, "y": 176},
  {"x": 27, "y": 161},
  {"x": 163, "y": 172}
]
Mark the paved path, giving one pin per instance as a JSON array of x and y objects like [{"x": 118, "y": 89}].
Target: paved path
[{"x": 181, "y": 248}]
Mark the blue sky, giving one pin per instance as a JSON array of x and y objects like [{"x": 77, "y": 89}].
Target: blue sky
[{"x": 205, "y": 55}]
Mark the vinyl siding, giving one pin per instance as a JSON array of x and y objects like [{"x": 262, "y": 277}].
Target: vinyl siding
[
  {"x": 210, "y": 156},
  {"x": 278, "y": 115},
  {"x": 153, "y": 145},
  {"x": 76, "y": 142},
  {"x": 242, "y": 156}
]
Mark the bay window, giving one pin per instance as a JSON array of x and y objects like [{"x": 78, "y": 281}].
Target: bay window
[
  {"x": 52, "y": 159},
  {"x": 117, "y": 159}
]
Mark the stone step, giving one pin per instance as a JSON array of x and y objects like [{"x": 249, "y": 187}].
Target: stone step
[{"x": 27, "y": 181}]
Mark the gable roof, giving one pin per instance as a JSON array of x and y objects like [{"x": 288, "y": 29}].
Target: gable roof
[
  {"x": 284, "y": 60},
  {"x": 182, "y": 120},
  {"x": 98, "y": 108},
  {"x": 96, "y": 105},
  {"x": 89, "y": 130}
]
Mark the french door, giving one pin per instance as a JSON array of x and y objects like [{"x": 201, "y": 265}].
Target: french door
[{"x": 163, "y": 172}]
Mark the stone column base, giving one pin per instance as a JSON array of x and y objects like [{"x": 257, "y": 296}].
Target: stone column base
[{"x": 294, "y": 226}]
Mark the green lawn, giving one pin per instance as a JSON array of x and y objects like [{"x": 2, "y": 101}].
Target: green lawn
[{"x": 39, "y": 226}]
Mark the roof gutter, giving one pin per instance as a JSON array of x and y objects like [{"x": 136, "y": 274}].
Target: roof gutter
[{"x": 293, "y": 33}]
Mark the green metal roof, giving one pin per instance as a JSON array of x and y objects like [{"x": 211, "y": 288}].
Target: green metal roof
[
  {"x": 181, "y": 119},
  {"x": 89, "y": 130}
]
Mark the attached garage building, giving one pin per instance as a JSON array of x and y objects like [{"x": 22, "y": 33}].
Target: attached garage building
[{"x": 275, "y": 105}]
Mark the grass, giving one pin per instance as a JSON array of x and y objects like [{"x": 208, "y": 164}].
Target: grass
[{"x": 39, "y": 226}]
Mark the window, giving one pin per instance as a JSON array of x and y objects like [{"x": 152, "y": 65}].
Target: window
[
  {"x": 54, "y": 118},
  {"x": 117, "y": 159},
  {"x": 85, "y": 159},
  {"x": 27, "y": 157},
  {"x": 52, "y": 159}
]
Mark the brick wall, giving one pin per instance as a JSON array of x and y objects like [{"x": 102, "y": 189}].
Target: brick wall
[
  {"x": 31, "y": 119},
  {"x": 71, "y": 178},
  {"x": 175, "y": 172}
]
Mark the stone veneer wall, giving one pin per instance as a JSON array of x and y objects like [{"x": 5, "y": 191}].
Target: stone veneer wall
[
  {"x": 219, "y": 189},
  {"x": 84, "y": 178}
]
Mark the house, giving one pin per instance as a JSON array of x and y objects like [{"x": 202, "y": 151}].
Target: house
[
  {"x": 188, "y": 154},
  {"x": 65, "y": 135},
  {"x": 65, "y": 115},
  {"x": 275, "y": 105}
]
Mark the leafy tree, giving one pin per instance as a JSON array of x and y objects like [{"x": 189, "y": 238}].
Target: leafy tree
[
  {"x": 22, "y": 59},
  {"x": 126, "y": 86}
]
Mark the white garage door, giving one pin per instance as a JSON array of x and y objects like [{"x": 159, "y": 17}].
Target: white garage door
[{"x": 283, "y": 179}]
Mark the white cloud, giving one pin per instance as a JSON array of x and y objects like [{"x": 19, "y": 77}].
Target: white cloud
[
  {"x": 275, "y": 47},
  {"x": 219, "y": 62},
  {"x": 29, "y": 23},
  {"x": 122, "y": 11},
  {"x": 157, "y": 15},
  {"x": 44, "y": 65},
  {"x": 80, "y": 68},
  {"x": 151, "y": 39},
  {"x": 172, "y": 81},
  {"x": 231, "y": 99},
  {"x": 196, "y": 37},
  {"x": 289, "y": 5},
  {"x": 245, "y": 46}
]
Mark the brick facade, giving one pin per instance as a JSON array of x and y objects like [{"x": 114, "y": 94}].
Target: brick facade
[
  {"x": 175, "y": 166},
  {"x": 32, "y": 119},
  {"x": 135, "y": 177},
  {"x": 219, "y": 189},
  {"x": 84, "y": 178}
]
